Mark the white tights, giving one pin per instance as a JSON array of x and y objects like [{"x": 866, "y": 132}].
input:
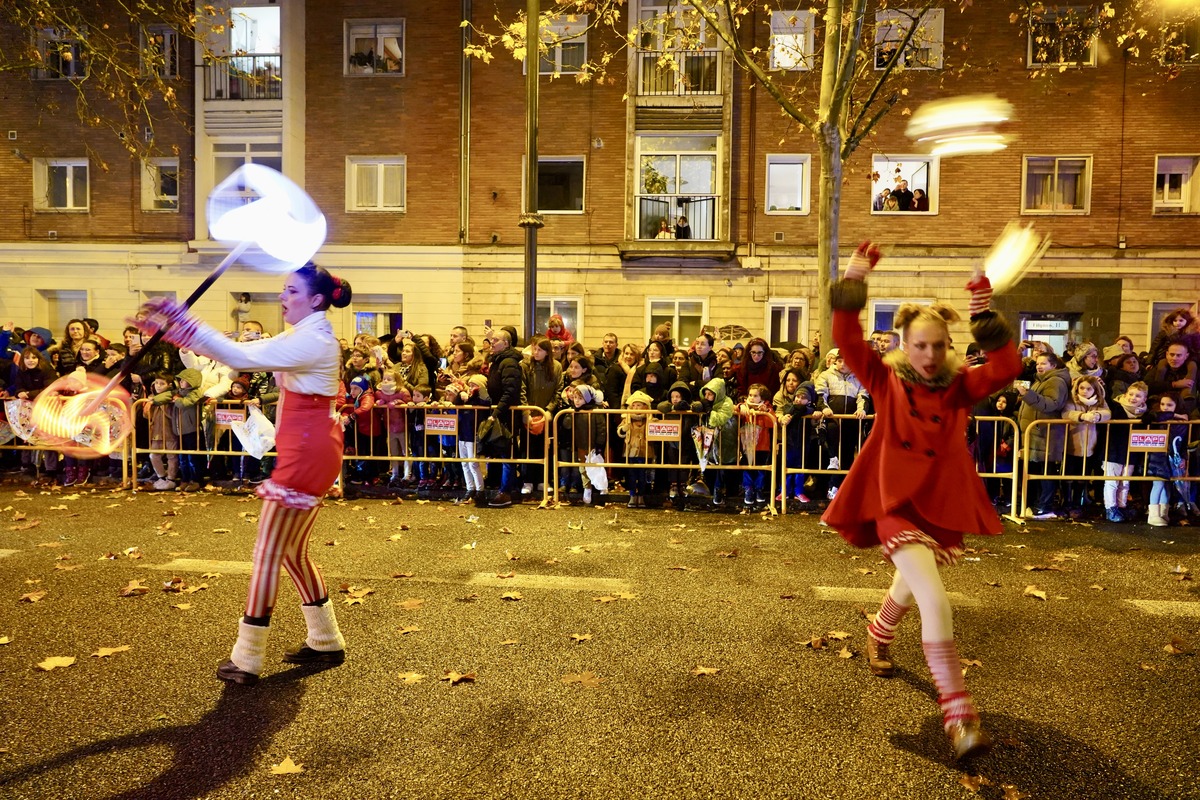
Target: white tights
[{"x": 917, "y": 579}]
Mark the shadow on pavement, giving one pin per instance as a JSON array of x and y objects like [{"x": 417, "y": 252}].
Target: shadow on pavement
[{"x": 222, "y": 745}]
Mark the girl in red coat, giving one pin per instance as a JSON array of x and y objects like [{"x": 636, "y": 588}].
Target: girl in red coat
[{"x": 913, "y": 490}]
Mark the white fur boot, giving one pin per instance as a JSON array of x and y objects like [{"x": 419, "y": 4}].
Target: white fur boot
[
  {"x": 246, "y": 660},
  {"x": 1156, "y": 517},
  {"x": 324, "y": 644}
]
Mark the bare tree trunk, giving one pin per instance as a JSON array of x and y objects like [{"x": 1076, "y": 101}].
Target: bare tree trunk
[{"x": 829, "y": 209}]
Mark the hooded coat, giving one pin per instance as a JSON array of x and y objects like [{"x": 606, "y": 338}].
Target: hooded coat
[
  {"x": 1047, "y": 396},
  {"x": 720, "y": 416},
  {"x": 188, "y": 404}
]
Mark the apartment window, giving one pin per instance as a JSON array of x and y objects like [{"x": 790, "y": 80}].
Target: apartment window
[
  {"x": 60, "y": 184},
  {"x": 882, "y": 314},
  {"x": 1181, "y": 43},
  {"x": 1176, "y": 186},
  {"x": 569, "y": 308},
  {"x": 160, "y": 51},
  {"x": 686, "y": 317},
  {"x": 566, "y": 46},
  {"x": 787, "y": 184},
  {"x": 792, "y": 45},
  {"x": 904, "y": 184},
  {"x": 160, "y": 184},
  {"x": 925, "y": 49},
  {"x": 677, "y": 52},
  {"x": 1063, "y": 37},
  {"x": 560, "y": 184},
  {"x": 677, "y": 178},
  {"x": 1056, "y": 185},
  {"x": 376, "y": 183},
  {"x": 378, "y": 314},
  {"x": 229, "y": 156},
  {"x": 787, "y": 322},
  {"x": 63, "y": 55},
  {"x": 375, "y": 47}
]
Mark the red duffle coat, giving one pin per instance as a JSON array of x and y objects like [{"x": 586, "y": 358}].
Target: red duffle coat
[{"x": 916, "y": 458}]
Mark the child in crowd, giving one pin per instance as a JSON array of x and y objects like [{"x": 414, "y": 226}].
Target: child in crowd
[
  {"x": 238, "y": 394},
  {"x": 186, "y": 404},
  {"x": 994, "y": 444},
  {"x": 679, "y": 406},
  {"x": 34, "y": 374},
  {"x": 755, "y": 412},
  {"x": 1130, "y": 405},
  {"x": 471, "y": 397},
  {"x": 1158, "y": 464},
  {"x": 162, "y": 434},
  {"x": 637, "y": 451},
  {"x": 794, "y": 404},
  {"x": 357, "y": 407},
  {"x": 416, "y": 435},
  {"x": 588, "y": 435},
  {"x": 1085, "y": 408},
  {"x": 718, "y": 415},
  {"x": 390, "y": 399}
]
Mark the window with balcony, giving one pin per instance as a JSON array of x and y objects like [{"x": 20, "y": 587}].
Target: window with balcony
[
  {"x": 376, "y": 183},
  {"x": 1176, "y": 187},
  {"x": 63, "y": 55},
  {"x": 374, "y": 47},
  {"x": 1056, "y": 185},
  {"x": 160, "y": 51},
  {"x": 686, "y": 316},
  {"x": 677, "y": 186},
  {"x": 560, "y": 184},
  {"x": 569, "y": 308},
  {"x": 160, "y": 184},
  {"x": 787, "y": 184},
  {"x": 792, "y": 40},
  {"x": 677, "y": 52},
  {"x": 1063, "y": 37},
  {"x": 904, "y": 184},
  {"x": 60, "y": 184},
  {"x": 925, "y": 48},
  {"x": 566, "y": 46}
]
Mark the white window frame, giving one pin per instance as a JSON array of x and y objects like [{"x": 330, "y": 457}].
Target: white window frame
[
  {"x": 41, "y": 184},
  {"x": 793, "y": 40},
  {"x": 570, "y": 29},
  {"x": 553, "y": 302},
  {"x": 362, "y": 28},
  {"x": 380, "y": 163},
  {"x": 675, "y": 327},
  {"x": 1189, "y": 201},
  {"x": 802, "y": 160},
  {"x": 1087, "y": 202},
  {"x": 47, "y": 37},
  {"x": 891, "y": 26},
  {"x": 581, "y": 160},
  {"x": 169, "y": 52},
  {"x": 874, "y": 307},
  {"x": 153, "y": 200},
  {"x": 887, "y": 180},
  {"x": 785, "y": 304},
  {"x": 676, "y": 181},
  {"x": 1049, "y": 16}
]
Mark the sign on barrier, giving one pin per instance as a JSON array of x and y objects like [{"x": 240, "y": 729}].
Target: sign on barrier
[
  {"x": 441, "y": 424},
  {"x": 1147, "y": 441},
  {"x": 225, "y": 416},
  {"x": 663, "y": 430}
]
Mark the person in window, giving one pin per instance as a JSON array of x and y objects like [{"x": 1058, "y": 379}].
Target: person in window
[
  {"x": 682, "y": 229},
  {"x": 881, "y": 199},
  {"x": 920, "y": 201},
  {"x": 664, "y": 230},
  {"x": 891, "y": 203},
  {"x": 903, "y": 195}
]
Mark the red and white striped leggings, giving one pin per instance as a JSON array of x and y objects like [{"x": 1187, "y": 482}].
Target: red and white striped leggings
[{"x": 283, "y": 541}]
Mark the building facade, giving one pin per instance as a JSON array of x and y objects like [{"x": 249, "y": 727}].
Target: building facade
[{"x": 416, "y": 155}]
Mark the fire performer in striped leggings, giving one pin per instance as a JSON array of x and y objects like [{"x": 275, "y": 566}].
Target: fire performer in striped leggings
[
  {"x": 913, "y": 489},
  {"x": 306, "y": 360}
]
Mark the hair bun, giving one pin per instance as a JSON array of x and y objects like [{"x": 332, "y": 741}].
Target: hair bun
[{"x": 341, "y": 294}]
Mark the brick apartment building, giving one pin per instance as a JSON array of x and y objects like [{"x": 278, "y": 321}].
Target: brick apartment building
[{"x": 416, "y": 156}]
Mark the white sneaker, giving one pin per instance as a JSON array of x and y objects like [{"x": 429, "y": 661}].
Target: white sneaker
[
  {"x": 832, "y": 493},
  {"x": 587, "y": 497},
  {"x": 834, "y": 464},
  {"x": 163, "y": 485},
  {"x": 527, "y": 488}
]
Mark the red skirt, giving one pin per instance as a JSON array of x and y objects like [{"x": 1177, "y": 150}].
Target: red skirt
[{"x": 308, "y": 439}]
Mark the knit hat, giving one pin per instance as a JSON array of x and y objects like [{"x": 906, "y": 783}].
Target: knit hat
[
  {"x": 362, "y": 382},
  {"x": 641, "y": 397},
  {"x": 1112, "y": 351},
  {"x": 808, "y": 389},
  {"x": 586, "y": 392},
  {"x": 243, "y": 381},
  {"x": 480, "y": 383}
]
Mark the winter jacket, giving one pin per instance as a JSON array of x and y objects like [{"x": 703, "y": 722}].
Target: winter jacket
[
  {"x": 720, "y": 416},
  {"x": 842, "y": 393},
  {"x": 589, "y": 431},
  {"x": 633, "y": 430},
  {"x": 360, "y": 409},
  {"x": 186, "y": 405},
  {"x": 1045, "y": 399},
  {"x": 1081, "y": 436},
  {"x": 389, "y": 407},
  {"x": 1160, "y": 377},
  {"x": 764, "y": 418},
  {"x": 541, "y": 390},
  {"x": 506, "y": 383}
]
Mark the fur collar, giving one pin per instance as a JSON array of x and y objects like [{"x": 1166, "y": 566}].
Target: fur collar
[{"x": 898, "y": 361}]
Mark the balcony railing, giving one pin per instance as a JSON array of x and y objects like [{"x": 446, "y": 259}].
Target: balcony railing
[
  {"x": 249, "y": 76},
  {"x": 692, "y": 72},
  {"x": 700, "y": 210}
]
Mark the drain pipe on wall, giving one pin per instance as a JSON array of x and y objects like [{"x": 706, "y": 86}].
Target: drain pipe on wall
[{"x": 464, "y": 130}]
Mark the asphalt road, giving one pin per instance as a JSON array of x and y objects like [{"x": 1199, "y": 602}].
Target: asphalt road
[{"x": 1077, "y": 688}]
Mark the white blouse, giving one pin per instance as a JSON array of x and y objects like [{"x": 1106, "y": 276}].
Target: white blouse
[{"x": 306, "y": 358}]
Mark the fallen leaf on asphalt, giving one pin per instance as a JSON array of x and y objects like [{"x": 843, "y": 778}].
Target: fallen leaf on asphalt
[
  {"x": 578, "y": 548},
  {"x": 32, "y": 581},
  {"x": 817, "y": 643},
  {"x": 608, "y": 598},
  {"x": 547, "y": 503},
  {"x": 410, "y": 604},
  {"x": 572, "y": 525},
  {"x": 17, "y": 515},
  {"x": 211, "y": 575},
  {"x": 971, "y": 662},
  {"x": 286, "y": 767},
  {"x": 503, "y": 575},
  {"x": 33, "y": 597},
  {"x": 513, "y": 596},
  {"x": 105, "y": 652},
  {"x": 356, "y": 508},
  {"x": 24, "y": 526},
  {"x": 1033, "y": 591},
  {"x": 588, "y": 679},
  {"x": 470, "y": 546},
  {"x": 473, "y": 519},
  {"x": 395, "y": 537},
  {"x": 700, "y": 671},
  {"x": 682, "y": 568},
  {"x": 411, "y": 677},
  {"x": 551, "y": 561},
  {"x": 675, "y": 541},
  {"x": 974, "y": 782},
  {"x": 727, "y": 554},
  {"x": 992, "y": 583},
  {"x": 1064, "y": 556},
  {"x": 182, "y": 606},
  {"x": 458, "y": 677},
  {"x": 865, "y": 571},
  {"x": 1148, "y": 667},
  {"x": 471, "y": 598},
  {"x": 845, "y": 652},
  {"x": 422, "y": 502},
  {"x": 403, "y": 574},
  {"x": 409, "y": 629},
  {"x": 837, "y": 636},
  {"x": 581, "y": 637},
  {"x": 53, "y": 662},
  {"x": 332, "y": 543},
  {"x": 221, "y": 530},
  {"x": 506, "y": 530},
  {"x": 58, "y": 508},
  {"x": 1177, "y": 647},
  {"x": 1012, "y": 793},
  {"x": 133, "y": 552},
  {"x": 1042, "y": 568},
  {"x": 5, "y": 639},
  {"x": 50, "y": 544},
  {"x": 1097, "y": 587},
  {"x": 1179, "y": 569},
  {"x": 509, "y": 642}
]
